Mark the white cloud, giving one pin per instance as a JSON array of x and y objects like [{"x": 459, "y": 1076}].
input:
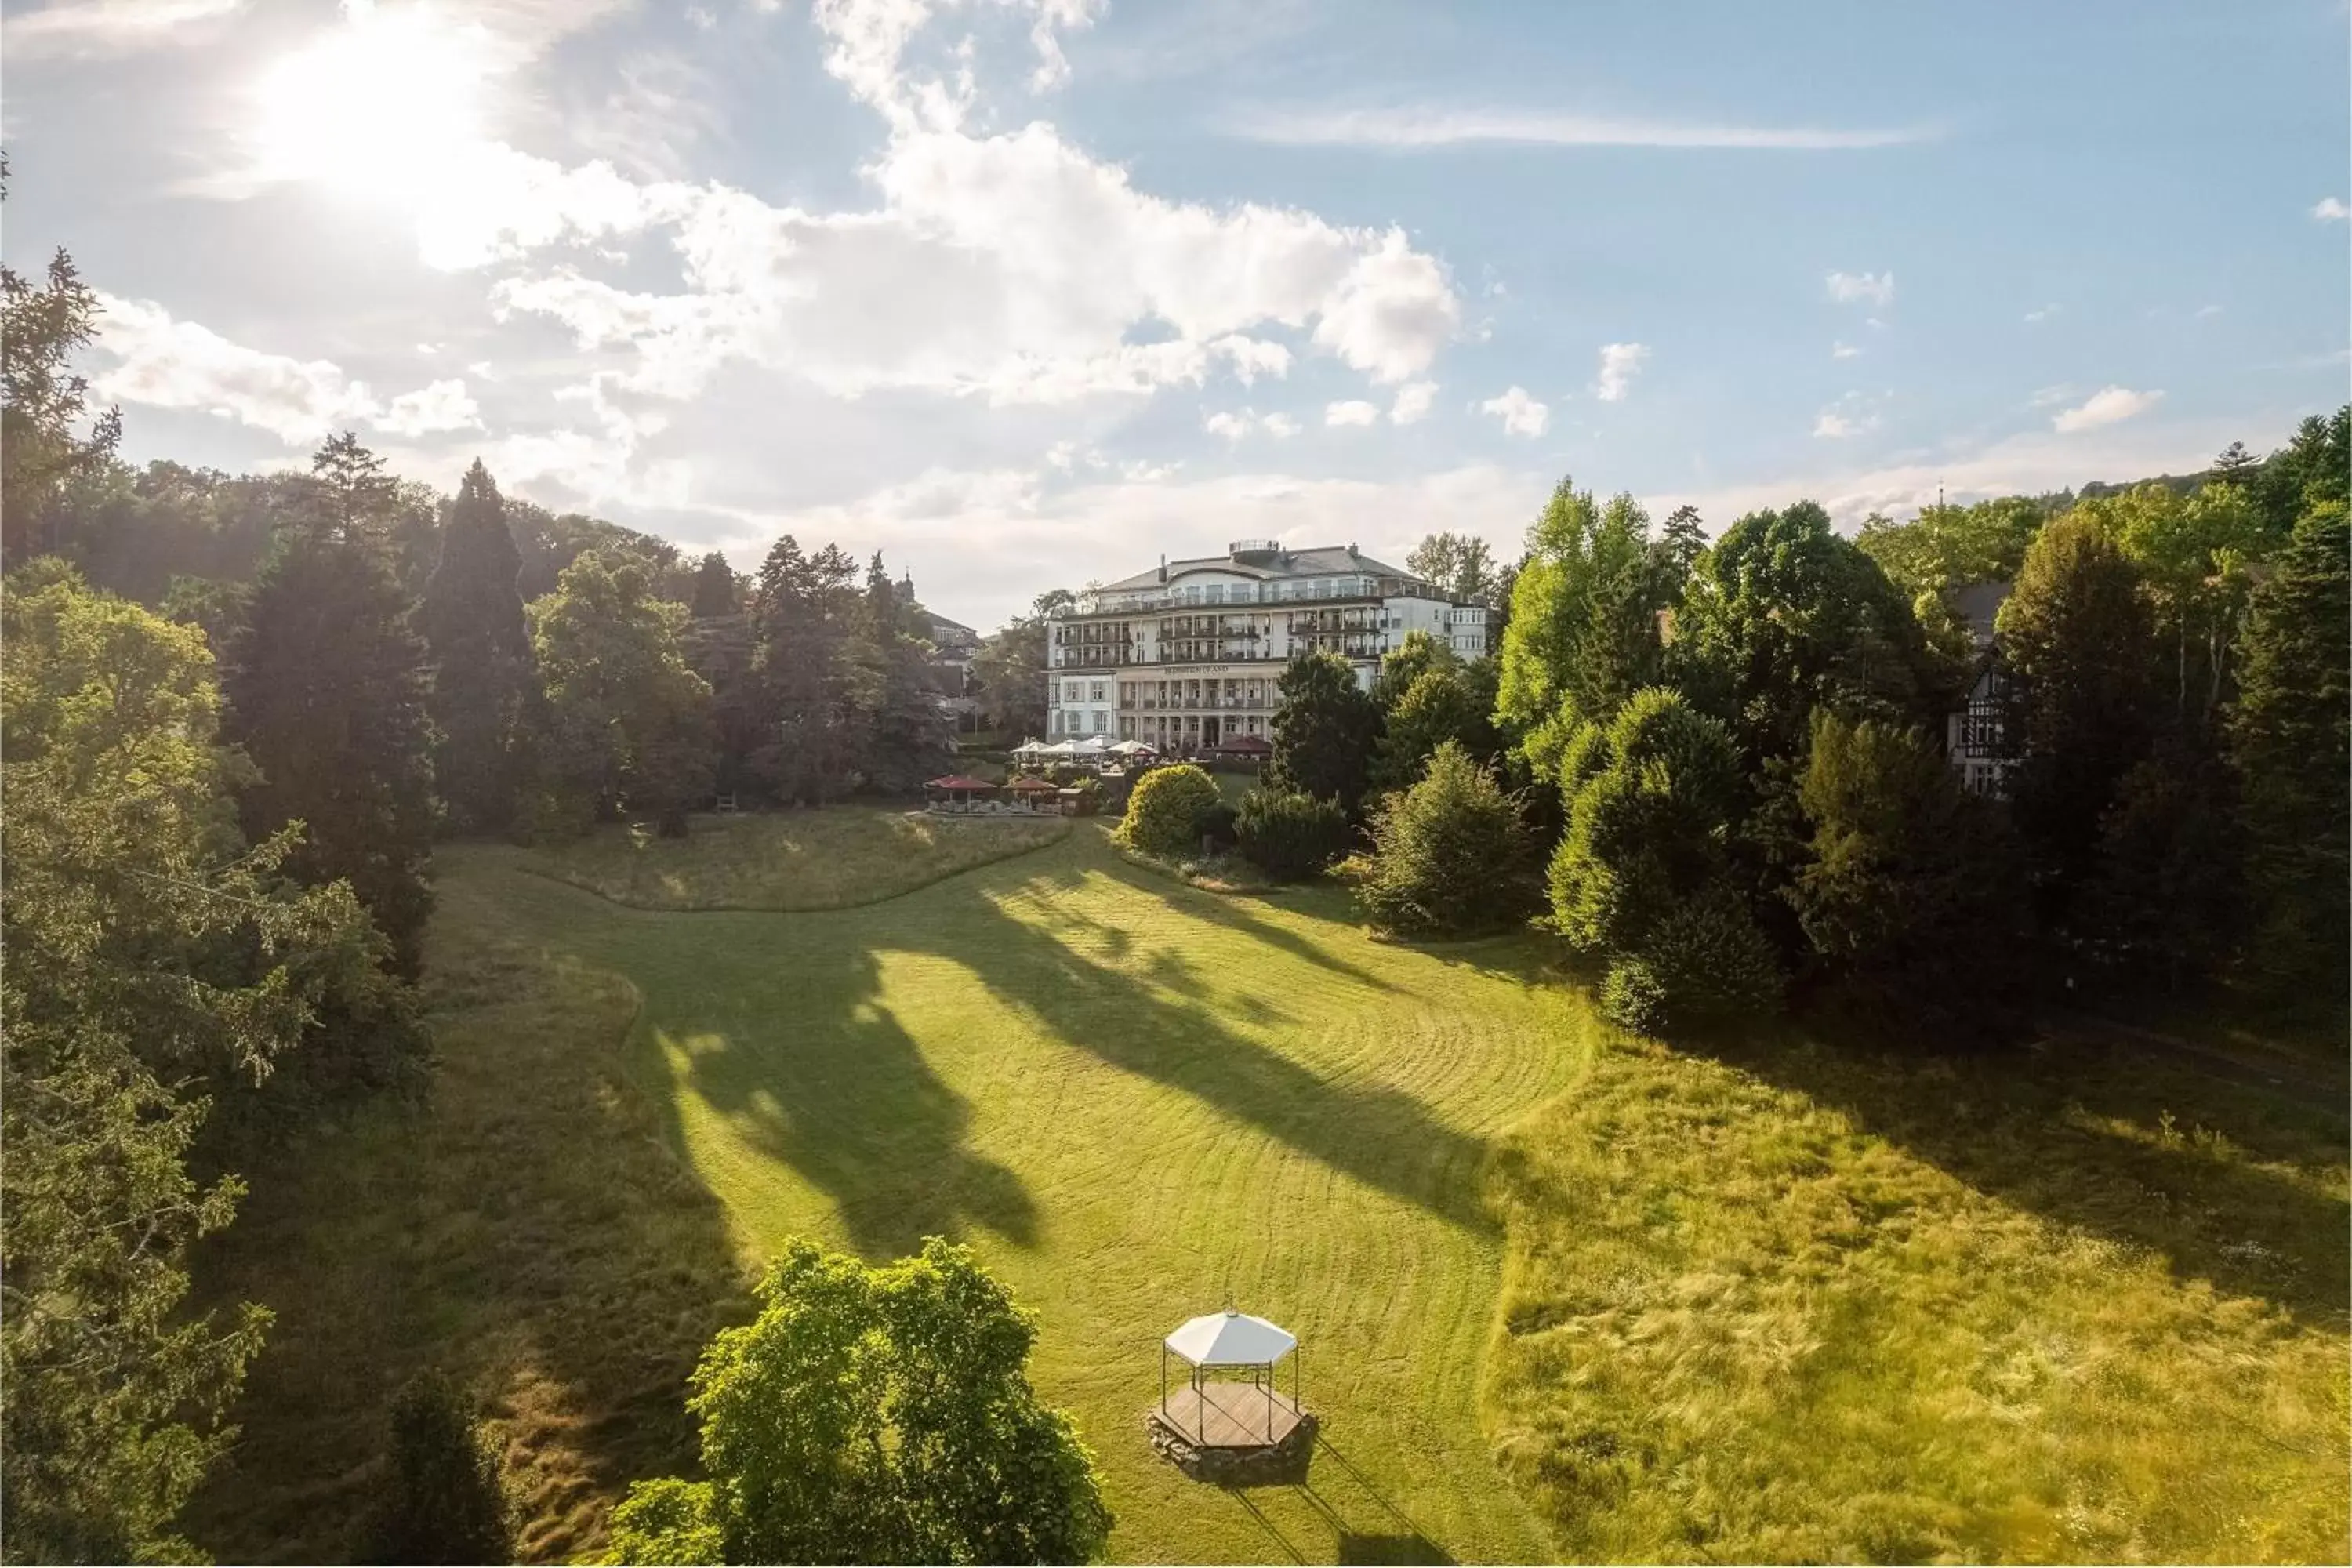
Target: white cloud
[
  {"x": 1521, "y": 414},
  {"x": 2040, "y": 313},
  {"x": 110, "y": 26},
  {"x": 1836, "y": 425},
  {"x": 1235, "y": 425},
  {"x": 439, "y": 407},
  {"x": 1410, "y": 128},
  {"x": 168, "y": 363},
  {"x": 1355, "y": 413},
  {"x": 1413, "y": 400},
  {"x": 1843, "y": 350},
  {"x": 1009, "y": 267},
  {"x": 2330, "y": 209},
  {"x": 1620, "y": 363},
  {"x": 1878, "y": 287},
  {"x": 2050, "y": 397},
  {"x": 2108, "y": 405},
  {"x": 2205, "y": 313}
]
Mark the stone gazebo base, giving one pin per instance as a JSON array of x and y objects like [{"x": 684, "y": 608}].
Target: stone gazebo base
[{"x": 1232, "y": 1435}]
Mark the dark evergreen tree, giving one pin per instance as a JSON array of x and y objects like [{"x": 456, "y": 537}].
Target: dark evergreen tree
[
  {"x": 1912, "y": 896},
  {"x": 441, "y": 1498},
  {"x": 2165, "y": 900},
  {"x": 2078, "y": 633},
  {"x": 2291, "y": 741},
  {"x": 1681, "y": 541},
  {"x": 483, "y": 683},
  {"x": 1324, "y": 731},
  {"x": 2310, "y": 470},
  {"x": 804, "y": 748},
  {"x": 327, "y": 693},
  {"x": 714, "y": 587},
  {"x": 905, "y": 735}
]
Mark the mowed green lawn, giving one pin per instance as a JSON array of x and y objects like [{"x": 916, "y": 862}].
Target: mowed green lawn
[
  {"x": 1140, "y": 1101},
  {"x": 1561, "y": 1294}
]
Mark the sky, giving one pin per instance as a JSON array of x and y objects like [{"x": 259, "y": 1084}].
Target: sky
[{"x": 1026, "y": 293}]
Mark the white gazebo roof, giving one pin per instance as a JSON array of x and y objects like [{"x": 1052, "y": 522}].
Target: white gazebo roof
[
  {"x": 1231, "y": 1338},
  {"x": 1092, "y": 743},
  {"x": 1131, "y": 747}
]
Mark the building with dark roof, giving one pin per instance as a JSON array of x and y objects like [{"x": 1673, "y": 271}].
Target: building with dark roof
[{"x": 1184, "y": 657}]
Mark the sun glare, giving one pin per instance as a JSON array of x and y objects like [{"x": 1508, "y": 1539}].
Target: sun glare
[{"x": 385, "y": 105}]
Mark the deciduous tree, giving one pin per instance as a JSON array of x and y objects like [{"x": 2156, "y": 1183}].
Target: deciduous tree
[
  {"x": 1583, "y": 633},
  {"x": 628, "y": 724},
  {"x": 156, "y": 967},
  {"x": 875, "y": 1414},
  {"x": 49, "y": 437},
  {"x": 1643, "y": 880}
]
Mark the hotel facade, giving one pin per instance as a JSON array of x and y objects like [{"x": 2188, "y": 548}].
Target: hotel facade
[{"x": 1185, "y": 656}]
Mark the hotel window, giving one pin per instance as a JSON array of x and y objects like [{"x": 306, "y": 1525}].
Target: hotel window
[
  {"x": 1216, "y": 594},
  {"x": 1098, "y": 694}
]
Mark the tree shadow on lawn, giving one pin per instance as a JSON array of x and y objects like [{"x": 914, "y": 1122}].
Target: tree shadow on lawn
[
  {"x": 830, "y": 1084},
  {"x": 2081, "y": 1138},
  {"x": 524, "y": 1231},
  {"x": 1381, "y": 1136},
  {"x": 793, "y": 1040}
]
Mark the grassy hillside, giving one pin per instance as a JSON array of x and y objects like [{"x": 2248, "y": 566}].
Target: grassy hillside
[
  {"x": 1783, "y": 1303},
  {"x": 824, "y": 859},
  {"x": 1136, "y": 1100}
]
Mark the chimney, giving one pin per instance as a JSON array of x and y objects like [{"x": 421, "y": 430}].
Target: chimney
[{"x": 1163, "y": 566}]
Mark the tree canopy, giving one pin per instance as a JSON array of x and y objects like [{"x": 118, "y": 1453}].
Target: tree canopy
[{"x": 873, "y": 1414}]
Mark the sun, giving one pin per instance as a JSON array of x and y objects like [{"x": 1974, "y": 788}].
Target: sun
[{"x": 387, "y": 105}]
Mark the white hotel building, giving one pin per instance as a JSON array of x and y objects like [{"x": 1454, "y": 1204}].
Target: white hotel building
[{"x": 1186, "y": 655}]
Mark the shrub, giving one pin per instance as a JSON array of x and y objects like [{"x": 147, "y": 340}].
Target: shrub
[
  {"x": 1449, "y": 855},
  {"x": 1705, "y": 963},
  {"x": 1216, "y": 825},
  {"x": 442, "y": 1500},
  {"x": 1290, "y": 835},
  {"x": 1164, "y": 814},
  {"x": 1643, "y": 880},
  {"x": 668, "y": 1521}
]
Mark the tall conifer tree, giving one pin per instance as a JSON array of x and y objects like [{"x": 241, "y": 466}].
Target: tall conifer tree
[
  {"x": 2291, "y": 743},
  {"x": 327, "y": 696},
  {"x": 482, "y": 673}
]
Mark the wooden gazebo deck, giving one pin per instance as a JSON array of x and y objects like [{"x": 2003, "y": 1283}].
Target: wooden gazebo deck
[{"x": 1219, "y": 1414}]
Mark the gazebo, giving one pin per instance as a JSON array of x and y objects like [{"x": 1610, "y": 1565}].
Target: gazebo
[{"x": 1226, "y": 1413}]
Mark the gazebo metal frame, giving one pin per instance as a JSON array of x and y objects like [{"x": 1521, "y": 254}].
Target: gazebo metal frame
[{"x": 1262, "y": 1377}]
